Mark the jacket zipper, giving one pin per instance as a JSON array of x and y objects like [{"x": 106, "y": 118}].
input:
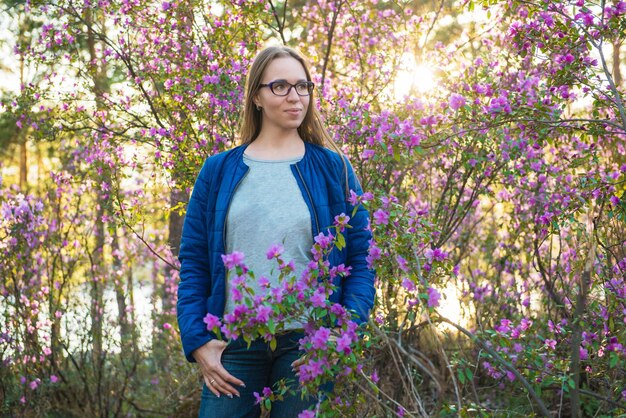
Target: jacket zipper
[
  {"x": 230, "y": 198},
  {"x": 317, "y": 225}
]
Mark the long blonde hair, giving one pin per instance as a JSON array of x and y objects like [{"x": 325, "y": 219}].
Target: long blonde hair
[{"x": 312, "y": 128}]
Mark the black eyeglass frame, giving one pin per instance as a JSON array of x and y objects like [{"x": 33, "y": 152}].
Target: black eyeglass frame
[{"x": 309, "y": 87}]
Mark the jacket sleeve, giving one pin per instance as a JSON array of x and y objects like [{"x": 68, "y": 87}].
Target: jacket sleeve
[
  {"x": 195, "y": 276},
  {"x": 358, "y": 288}
]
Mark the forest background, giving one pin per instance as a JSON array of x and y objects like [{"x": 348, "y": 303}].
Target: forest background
[{"x": 489, "y": 137}]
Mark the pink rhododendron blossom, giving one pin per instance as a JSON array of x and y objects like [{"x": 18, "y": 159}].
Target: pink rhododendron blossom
[
  {"x": 381, "y": 217},
  {"x": 275, "y": 251},
  {"x": 374, "y": 376},
  {"x": 263, "y": 313},
  {"x": 306, "y": 414},
  {"x": 320, "y": 338},
  {"x": 53, "y": 379},
  {"x": 433, "y": 297},
  {"x": 584, "y": 354},
  {"x": 408, "y": 284},
  {"x": 212, "y": 321},
  {"x": 263, "y": 282},
  {"x": 318, "y": 300},
  {"x": 233, "y": 259},
  {"x": 325, "y": 241},
  {"x": 343, "y": 344},
  {"x": 550, "y": 344},
  {"x": 457, "y": 101},
  {"x": 435, "y": 255},
  {"x": 341, "y": 221}
]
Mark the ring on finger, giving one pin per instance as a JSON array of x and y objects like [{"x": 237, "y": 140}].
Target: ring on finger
[{"x": 211, "y": 382}]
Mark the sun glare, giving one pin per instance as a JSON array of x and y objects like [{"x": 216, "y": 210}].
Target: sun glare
[
  {"x": 413, "y": 78},
  {"x": 450, "y": 307}
]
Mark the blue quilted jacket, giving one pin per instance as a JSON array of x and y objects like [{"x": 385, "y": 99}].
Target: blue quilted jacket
[{"x": 321, "y": 177}]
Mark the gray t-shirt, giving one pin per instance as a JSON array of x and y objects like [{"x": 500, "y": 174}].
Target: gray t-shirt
[{"x": 268, "y": 208}]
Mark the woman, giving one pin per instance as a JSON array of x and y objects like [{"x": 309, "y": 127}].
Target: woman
[{"x": 281, "y": 186}]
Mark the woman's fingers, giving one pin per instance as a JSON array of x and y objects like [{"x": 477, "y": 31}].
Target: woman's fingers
[
  {"x": 216, "y": 377},
  {"x": 225, "y": 382}
]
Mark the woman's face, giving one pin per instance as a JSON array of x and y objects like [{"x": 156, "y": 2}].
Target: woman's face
[{"x": 282, "y": 112}]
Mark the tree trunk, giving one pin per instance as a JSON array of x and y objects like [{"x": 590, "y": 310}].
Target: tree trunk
[
  {"x": 174, "y": 234},
  {"x": 99, "y": 273},
  {"x": 20, "y": 137},
  {"x": 127, "y": 341}
]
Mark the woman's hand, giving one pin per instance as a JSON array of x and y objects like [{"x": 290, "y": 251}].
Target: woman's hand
[{"x": 217, "y": 379}]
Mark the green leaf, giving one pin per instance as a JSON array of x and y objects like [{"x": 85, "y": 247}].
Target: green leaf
[
  {"x": 267, "y": 403},
  {"x": 273, "y": 344},
  {"x": 341, "y": 241},
  {"x": 461, "y": 376},
  {"x": 271, "y": 326},
  {"x": 613, "y": 360}
]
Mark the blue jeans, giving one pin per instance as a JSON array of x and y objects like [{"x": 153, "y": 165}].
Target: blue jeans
[{"x": 258, "y": 367}]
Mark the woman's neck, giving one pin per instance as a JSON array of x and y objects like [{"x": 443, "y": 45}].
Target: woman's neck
[{"x": 274, "y": 147}]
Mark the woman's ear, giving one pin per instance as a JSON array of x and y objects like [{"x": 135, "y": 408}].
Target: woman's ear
[{"x": 257, "y": 102}]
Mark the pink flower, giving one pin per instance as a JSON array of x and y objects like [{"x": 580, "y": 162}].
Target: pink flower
[
  {"x": 341, "y": 221},
  {"x": 550, "y": 344},
  {"x": 53, "y": 379},
  {"x": 306, "y": 414},
  {"x": 584, "y": 354},
  {"x": 437, "y": 254},
  {"x": 402, "y": 263},
  {"x": 337, "y": 309},
  {"x": 212, "y": 321},
  {"x": 320, "y": 338},
  {"x": 167, "y": 325},
  {"x": 456, "y": 101},
  {"x": 343, "y": 344},
  {"x": 318, "y": 299},
  {"x": 381, "y": 217},
  {"x": 433, "y": 297},
  {"x": 324, "y": 241},
  {"x": 408, "y": 284},
  {"x": 263, "y": 313},
  {"x": 374, "y": 376},
  {"x": 233, "y": 259},
  {"x": 274, "y": 251}
]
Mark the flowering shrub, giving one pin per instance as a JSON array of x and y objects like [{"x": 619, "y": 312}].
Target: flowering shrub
[
  {"x": 505, "y": 183},
  {"x": 331, "y": 344}
]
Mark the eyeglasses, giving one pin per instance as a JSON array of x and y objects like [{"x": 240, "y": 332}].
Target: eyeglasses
[{"x": 283, "y": 88}]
